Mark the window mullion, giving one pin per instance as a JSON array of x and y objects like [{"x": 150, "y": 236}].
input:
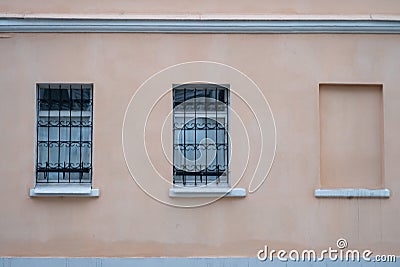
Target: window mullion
[
  {"x": 59, "y": 135},
  {"x": 48, "y": 136},
  {"x": 80, "y": 138},
  {"x": 216, "y": 134},
  {"x": 184, "y": 135},
  {"x": 195, "y": 138},
  {"x": 70, "y": 134},
  {"x": 206, "y": 132}
]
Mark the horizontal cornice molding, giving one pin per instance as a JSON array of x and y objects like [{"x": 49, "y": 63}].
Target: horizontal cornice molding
[{"x": 94, "y": 25}]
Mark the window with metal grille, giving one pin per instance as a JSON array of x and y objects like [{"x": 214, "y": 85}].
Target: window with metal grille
[
  {"x": 64, "y": 133},
  {"x": 200, "y": 134}
]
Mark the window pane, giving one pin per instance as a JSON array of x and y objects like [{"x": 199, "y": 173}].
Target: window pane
[
  {"x": 200, "y": 116},
  {"x": 64, "y": 129}
]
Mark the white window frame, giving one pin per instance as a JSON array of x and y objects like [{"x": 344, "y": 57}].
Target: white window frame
[
  {"x": 61, "y": 189},
  {"x": 212, "y": 190}
]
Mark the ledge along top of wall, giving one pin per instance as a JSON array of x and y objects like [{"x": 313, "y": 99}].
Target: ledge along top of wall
[{"x": 235, "y": 24}]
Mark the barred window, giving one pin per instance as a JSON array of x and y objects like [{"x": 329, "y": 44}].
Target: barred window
[
  {"x": 200, "y": 134},
  {"x": 64, "y": 133}
]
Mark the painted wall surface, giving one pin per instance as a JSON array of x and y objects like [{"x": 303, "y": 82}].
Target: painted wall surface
[
  {"x": 124, "y": 221},
  {"x": 174, "y": 7}
]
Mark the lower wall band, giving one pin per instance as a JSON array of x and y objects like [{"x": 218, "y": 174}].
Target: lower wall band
[{"x": 175, "y": 262}]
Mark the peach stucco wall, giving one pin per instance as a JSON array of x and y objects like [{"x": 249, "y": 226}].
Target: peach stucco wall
[{"x": 124, "y": 221}]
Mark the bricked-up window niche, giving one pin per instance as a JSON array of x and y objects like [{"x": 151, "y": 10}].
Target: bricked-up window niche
[{"x": 351, "y": 121}]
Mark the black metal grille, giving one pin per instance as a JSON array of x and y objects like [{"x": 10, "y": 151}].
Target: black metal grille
[
  {"x": 201, "y": 140},
  {"x": 64, "y": 133}
]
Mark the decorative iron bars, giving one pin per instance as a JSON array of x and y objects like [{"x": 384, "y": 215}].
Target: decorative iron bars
[
  {"x": 200, "y": 134},
  {"x": 64, "y": 133}
]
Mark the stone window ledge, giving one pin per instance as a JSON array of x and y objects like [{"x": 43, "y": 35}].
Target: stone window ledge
[
  {"x": 192, "y": 192},
  {"x": 352, "y": 193},
  {"x": 64, "y": 190}
]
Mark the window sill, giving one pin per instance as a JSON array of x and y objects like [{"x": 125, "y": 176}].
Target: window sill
[
  {"x": 352, "y": 193},
  {"x": 64, "y": 190},
  {"x": 192, "y": 192}
]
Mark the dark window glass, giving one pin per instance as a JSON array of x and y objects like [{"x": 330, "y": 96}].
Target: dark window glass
[
  {"x": 201, "y": 141},
  {"x": 64, "y": 133}
]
